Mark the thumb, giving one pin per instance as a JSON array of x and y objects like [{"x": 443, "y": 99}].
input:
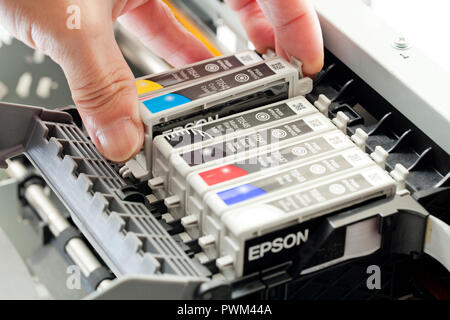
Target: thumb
[
  {"x": 103, "y": 87},
  {"x": 104, "y": 91}
]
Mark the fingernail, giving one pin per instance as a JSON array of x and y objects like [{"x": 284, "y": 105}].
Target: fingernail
[{"x": 119, "y": 140}]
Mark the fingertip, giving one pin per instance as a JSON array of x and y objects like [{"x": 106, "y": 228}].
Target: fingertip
[
  {"x": 297, "y": 32},
  {"x": 311, "y": 68},
  {"x": 120, "y": 140},
  {"x": 309, "y": 50}
]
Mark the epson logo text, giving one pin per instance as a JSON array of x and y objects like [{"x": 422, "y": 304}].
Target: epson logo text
[{"x": 277, "y": 245}]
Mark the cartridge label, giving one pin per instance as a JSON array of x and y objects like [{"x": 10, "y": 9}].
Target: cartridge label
[
  {"x": 262, "y": 116},
  {"x": 269, "y": 136},
  {"x": 323, "y": 193},
  {"x": 281, "y": 180},
  {"x": 273, "y": 158},
  {"x": 171, "y": 78},
  {"x": 210, "y": 87}
]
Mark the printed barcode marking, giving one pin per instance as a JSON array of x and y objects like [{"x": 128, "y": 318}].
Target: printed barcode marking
[
  {"x": 335, "y": 140},
  {"x": 277, "y": 66},
  {"x": 298, "y": 106},
  {"x": 315, "y": 123},
  {"x": 246, "y": 58}
]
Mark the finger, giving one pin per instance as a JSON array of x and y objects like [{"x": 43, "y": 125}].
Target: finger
[
  {"x": 102, "y": 86},
  {"x": 297, "y": 31},
  {"x": 103, "y": 89},
  {"x": 258, "y": 28},
  {"x": 158, "y": 29}
]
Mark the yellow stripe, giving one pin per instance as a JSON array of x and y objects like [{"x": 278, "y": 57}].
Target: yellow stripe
[
  {"x": 146, "y": 86},
  {"x": 191, "y": 27}
]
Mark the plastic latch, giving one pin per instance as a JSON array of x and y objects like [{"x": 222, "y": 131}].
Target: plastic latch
[
  {"x": 304, "y": 86},
  {"x": 172, "y": 201},
  {"x": 185, "y": 237},
  {"x": 298, "y": 64},
  {"x": 156, "y": 183},
  {"x": 224, "y": 262},
  {"x": 125, "y": 172},
  {"x": 190, "y": 221},
  {"x": 202, "y": 258},
  {"x": 206, "y": 241},
  {"x": 322, "y": 104},
  {"x": 399, "y": 174},
  {"x": 341, "y": 121},
  {"x": 379, "y": 156},
  {"x": 359, "y": 138},
  {"x": 167, "y": 217}
]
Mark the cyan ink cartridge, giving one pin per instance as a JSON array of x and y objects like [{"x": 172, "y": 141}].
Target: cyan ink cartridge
[
  {"x": 267, "y": 233},
  {"x": 241, "y": 147},
  {"x": 188, "y": 99},
  {"x": 183, "y": 140},
  {"x": 230, "y": 92},
  {"x": 150, "y": 85}
]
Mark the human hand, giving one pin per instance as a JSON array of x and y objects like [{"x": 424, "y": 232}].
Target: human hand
[
  {"x": 289, "y": 26},
  {"x": 102, "y": 85}
]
